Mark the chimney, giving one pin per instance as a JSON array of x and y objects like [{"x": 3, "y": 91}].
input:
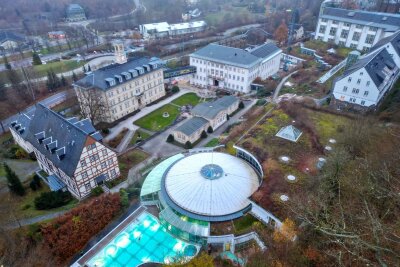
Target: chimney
[{"x": 119, "y": 52}]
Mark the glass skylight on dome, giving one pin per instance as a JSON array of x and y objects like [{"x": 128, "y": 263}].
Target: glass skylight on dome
[{"x": 212, "y": 171}]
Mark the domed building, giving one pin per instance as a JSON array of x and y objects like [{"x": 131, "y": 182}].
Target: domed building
[{"x": 201, "y": 187}]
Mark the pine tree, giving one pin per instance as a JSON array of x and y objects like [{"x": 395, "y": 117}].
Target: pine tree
[
  {"x": 36, "y": 59},
  {"x": 6, "y": 63},
  {"x": 50, "y": 82},
  {"x": 3, "y": 95},
  {"x": 84, "y": 69},
  {"x": 89, "y": 68},
  {"x": 14, "y": 184},
  {"x": 56, "y": 80},
  {"x": 64, "y": 81},
  {"x": 74, "y": 77}
]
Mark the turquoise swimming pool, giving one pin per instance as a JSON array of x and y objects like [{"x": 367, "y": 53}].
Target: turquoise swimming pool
[{"x": 144, "y": 240}]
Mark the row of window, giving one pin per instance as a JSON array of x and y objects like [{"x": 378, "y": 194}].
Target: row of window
[
  {"x": 103, "y": 165},
  {"x": 359, "y": 80},
  {"x": 369, "y": 39},
  {"x": 355, "y": 91},
  {"x": 354, "y": 100},
  {"x": 345, "y": 24},
  {"x": 111, "y": 93},
  {"x": 220, "y": 66}
]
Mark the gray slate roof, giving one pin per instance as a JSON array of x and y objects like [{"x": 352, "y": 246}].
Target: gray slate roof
[
  {"x": 388, "y": 21},
  {"x": 394, "y": 39},
  {"x": 265, "y": 50},
  {"x": 227, "y": 55},
  {"x": 69, "y": 133},
  {"x": 374, "y": 63},
  {"x": 97, "y": 79},
  {"x": 209, "y": 110},
  {"x": 192, "y": 125},
  {"x": 10, "y": 36}
]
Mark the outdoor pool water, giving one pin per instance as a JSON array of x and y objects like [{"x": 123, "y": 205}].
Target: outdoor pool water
[{"x": 144, "y": 240}]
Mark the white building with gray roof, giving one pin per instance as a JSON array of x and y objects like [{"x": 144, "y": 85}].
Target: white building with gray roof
[
  {"x": 356, "y": 29},
  {"x": 234, "y": 69},
  {"x": 367, "y": 81},
  {"x": 208, "y": 114},
  {"x": 114, "y": 91}
]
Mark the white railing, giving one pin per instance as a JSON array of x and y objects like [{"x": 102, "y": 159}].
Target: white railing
[
  {"x": 332, "y": 72},
  {"x": 263, "y": 215}
]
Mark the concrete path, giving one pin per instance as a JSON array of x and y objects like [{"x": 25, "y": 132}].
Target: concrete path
[
  {"x": 23, "y": 222},
  {"x": 280, "y": 85},
  {"x": 125, "y": 141},
  {"x": 128, "y": 123}
]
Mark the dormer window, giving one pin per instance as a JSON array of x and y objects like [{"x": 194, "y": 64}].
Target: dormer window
[
  {"x": 110, "y": 81},
  {"x": 119, "y": 78},
  {"x": 60, "y": 153},
  {"x": 127, "y": 75},
  {"x": 40, "y": 137},
  {"x": 134, "y": 73}
]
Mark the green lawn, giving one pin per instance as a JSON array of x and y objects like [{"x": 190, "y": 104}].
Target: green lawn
[
  {"x": 58, "y": 67},
  {"x": 155, "y": 120},
  {"x": 213, "y": 142},
  {"x": 143, "y": 136},
  {"x": 190, "y": 98}
]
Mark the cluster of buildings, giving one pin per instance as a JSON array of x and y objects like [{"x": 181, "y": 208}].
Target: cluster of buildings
[
  {"x": 234, "y": 69},
  {"x": 204, "y": 115},
  {"x": 69, "y": 150},
  {"x": 10, "y": 40},
  {"x": 164, "y": 29}
]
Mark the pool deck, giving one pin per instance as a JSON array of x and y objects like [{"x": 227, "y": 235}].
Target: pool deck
[{"x": 108, "y": 238}]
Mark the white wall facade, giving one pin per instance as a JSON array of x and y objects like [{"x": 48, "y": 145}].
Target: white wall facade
[
  {"x": 355, "y": 36},
  {"x": 96, "y": 159},
  {"x": 229, "y": 76},
  {"x": 21, "y": 142},
  {"x": 358, "y": 88}
]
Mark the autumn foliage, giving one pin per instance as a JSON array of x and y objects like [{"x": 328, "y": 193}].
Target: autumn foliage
[
  {"x": 287, "y": 232},
  {"x": 68, "y": 234}
]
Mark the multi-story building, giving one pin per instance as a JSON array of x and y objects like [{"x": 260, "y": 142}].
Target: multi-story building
[
  {"x": 392, "y": 45},
  {"x": 234, "y": 69},
  {"x": 70, "y": 151},
  {"x": 366, "y": 82},
  {"x": 209, "y": 114},
  {"x": 164, "y": 29},
  {"x": 10, "y": 40},
  {"x": 117, "y": 90},
  {"x": 356, "y": 29},
  {"x": 75, "y": 13}
]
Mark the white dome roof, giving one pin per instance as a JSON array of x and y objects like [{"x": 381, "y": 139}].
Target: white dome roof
[{"x": 211, "y": 183}]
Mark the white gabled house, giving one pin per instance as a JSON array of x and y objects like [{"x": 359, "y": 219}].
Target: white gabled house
[
  {"x": 367, "y": 81},
  {"x": 392, "y": 45},
  {"x": 68, "y": 150}
]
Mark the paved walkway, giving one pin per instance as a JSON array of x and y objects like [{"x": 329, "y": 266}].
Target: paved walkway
[
  {"x": 23, "y": 222},
  {"x": 128, "y": 123},
  {"x": 280, "y": 85},
  {"x": 263, "y": 215}
]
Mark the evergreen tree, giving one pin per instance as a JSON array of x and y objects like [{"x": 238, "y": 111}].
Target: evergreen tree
[
  {"x": 56, "y": 80},
  {"x": 36, "y": 59},
  {"x": 210, "y": 129},
  {"x": 203, "y": 134},
  {"x": 188, "y": 145},
  {"x": 84, "y": 69},
  {"x": 89, "y": 68},
  {"x": 50, "y": 82},
  {"x": 170, "y": 138},
  {"x": 6, "y": 63},
  {"x": 3, "y": 95},
  {"x": 14, "y": 184},
  {"x": 74, "y": 77},
  {"x": 64, "y": 81}
]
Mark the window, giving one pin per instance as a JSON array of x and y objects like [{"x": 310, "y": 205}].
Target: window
[
  {"x": 353, "y": 46},
  {"x": 373, "y": 29},
  {"x": 345, "y": 89},
  {"x": 84, "y": 175},
  {"x": 109, "y": 162},
  {"x": 361, "y": 73},
  {"x": 83, "y": 163},
  {"x": 324, "y": 20},
  {"x": 368, "y": 83},
  {"x": 332, "y": 31},
  {"x": 113, "y": 173},
  {"x": 369, "y": 39},
  {"x": 103, "y": 165},
  {"x": 335, "y": 22},
  {"x": 94, "y": 157},
  {"x": 344, "y": 34},
  {"x": 366, "y": 93},
  {"x": 356, "y": 36},
  {"x": 358, "y": 26},
  {"x": 322, "y": 29},
  {"x": 92, "y": 146},
  {"x": 355, "y": 91},
  {"x": 347, "y": 24},
  {"x": 358, "y": 81},
  {"x": 362, "y": 102},
  {"x": 87, "y": 186},
  {"x": 349, "y": 80}
]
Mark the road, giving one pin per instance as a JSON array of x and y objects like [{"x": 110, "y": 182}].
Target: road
[{"x": 48, "y": 102}]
